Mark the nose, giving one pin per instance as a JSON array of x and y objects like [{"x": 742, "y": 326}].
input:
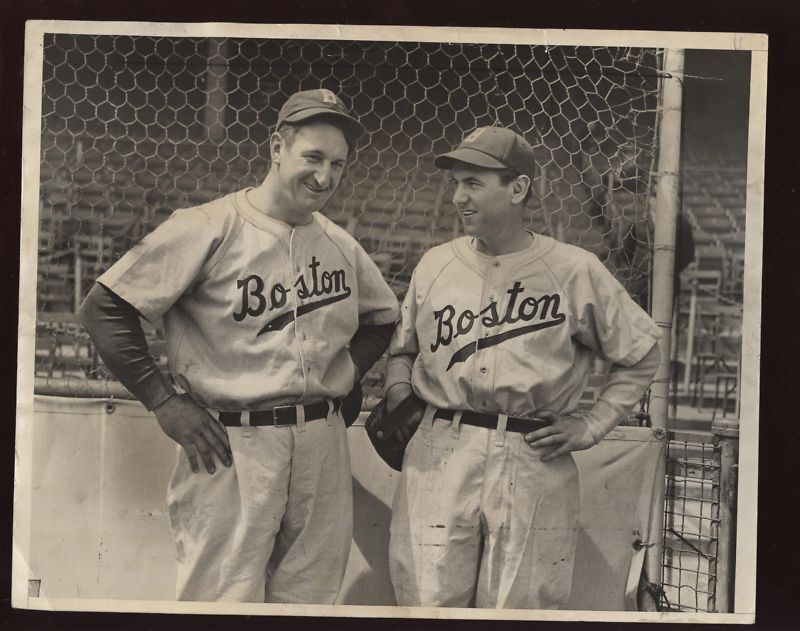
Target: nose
[
  {"x": 459, "y": 195},
  {"x": 323, "y": 176}
]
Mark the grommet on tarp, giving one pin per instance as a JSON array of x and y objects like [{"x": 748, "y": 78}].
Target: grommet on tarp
[
  {"x": 638, "y": 544},
  {"x": 110, "y": 405}
]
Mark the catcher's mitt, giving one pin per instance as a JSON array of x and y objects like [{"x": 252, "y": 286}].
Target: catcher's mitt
[{"x": 391, "y": 431}]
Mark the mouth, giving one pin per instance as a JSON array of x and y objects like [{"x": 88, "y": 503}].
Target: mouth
[
  {"x": 314, "y": 189},
  {"x": 468, "y": 213}
]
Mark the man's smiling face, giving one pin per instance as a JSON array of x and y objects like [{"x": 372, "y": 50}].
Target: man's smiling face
[
  {"x": 482, "y": 199},
  {"x": 310, "y": 166}
]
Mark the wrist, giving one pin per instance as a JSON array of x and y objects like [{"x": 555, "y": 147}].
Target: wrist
[
  {"x": 407, "y": 385},
  {"x": 601, "y": 419},
  {"x": 160, "y": 404},
  {"x": 399, "y": 369}
]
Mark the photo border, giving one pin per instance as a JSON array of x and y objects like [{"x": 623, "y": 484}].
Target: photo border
[{"x": 748, "y": 463}]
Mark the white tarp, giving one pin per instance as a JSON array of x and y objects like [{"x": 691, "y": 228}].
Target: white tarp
[{"x": 99, "y": 525}]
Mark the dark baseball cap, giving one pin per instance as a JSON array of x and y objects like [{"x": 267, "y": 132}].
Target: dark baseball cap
[
  {"x": 308, "y": 104},
  {"x": 492, "y": 148}
]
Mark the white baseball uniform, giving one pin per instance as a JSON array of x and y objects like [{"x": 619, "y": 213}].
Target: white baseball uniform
[
  {"x": 478, "y": 519},
  {"x": 259, "y": 314}
]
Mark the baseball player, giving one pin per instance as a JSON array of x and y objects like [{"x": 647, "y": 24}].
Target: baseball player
[
  {"x": 272, "y": 315},
  {"x": 498, "y": 334}
]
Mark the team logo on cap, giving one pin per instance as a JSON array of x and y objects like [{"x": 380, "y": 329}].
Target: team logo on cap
[
  {"x": 328, "y": 97},
  {"x": 475, "y": 135}
]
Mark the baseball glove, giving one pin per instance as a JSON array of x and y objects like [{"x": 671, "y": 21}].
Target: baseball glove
[
  {"x": 390, "y": 432},
  {"x": 351, "y": 405}
]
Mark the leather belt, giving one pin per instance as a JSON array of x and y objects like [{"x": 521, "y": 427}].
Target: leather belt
[
  {"x": 489, "y": 421},
  {"x": 282, "y": 415}
]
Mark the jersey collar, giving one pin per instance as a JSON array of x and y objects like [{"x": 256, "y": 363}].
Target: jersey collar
[{"x": 265, "y": 222}]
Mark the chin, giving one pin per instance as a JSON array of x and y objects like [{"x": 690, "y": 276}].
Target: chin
[{"x": 470, "y": 230}]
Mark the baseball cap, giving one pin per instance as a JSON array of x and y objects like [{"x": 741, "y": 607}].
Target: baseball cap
[
  {"x": 307, "y": 104},
  {"x": 492, "y": 148}
]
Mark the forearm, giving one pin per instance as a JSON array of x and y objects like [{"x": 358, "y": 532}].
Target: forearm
[
  {"x": 368, "y": 344},
  {"x": 117, "y": 333},
  {"x": 398, "y": 370},
  {"x": 623, "y": 389}
]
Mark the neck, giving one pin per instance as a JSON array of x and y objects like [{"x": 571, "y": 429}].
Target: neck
[
  {"x": 270, "y": 200},
  {"x": 506, "y": 243}
]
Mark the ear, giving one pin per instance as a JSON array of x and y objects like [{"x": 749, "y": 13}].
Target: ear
[
  {"x": 519, "y": 188},
  {"x": 275, "y": 146}
]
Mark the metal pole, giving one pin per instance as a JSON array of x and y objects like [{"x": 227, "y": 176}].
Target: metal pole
[
  {"x": 78, "y": 280},
  {"x": 216, "y": 80},
  {"x": 80, "y": 387},
  {"x": 726, "y": 433},
  {"x": 663, "y": 271},
  {"x": 687, "y": 369}
]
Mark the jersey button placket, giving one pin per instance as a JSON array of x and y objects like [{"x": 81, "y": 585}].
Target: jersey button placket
[
  {"x": 487, "y": 383},
  {"x": 299, "y": 334},
  {"x": 480, "y": 382}
]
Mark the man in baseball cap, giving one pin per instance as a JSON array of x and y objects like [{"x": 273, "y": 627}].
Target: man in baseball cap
[
  {"x": 272, "y": 315},
  {"x": 493, "y": 148},
  {"x": 498, "y": 337}
]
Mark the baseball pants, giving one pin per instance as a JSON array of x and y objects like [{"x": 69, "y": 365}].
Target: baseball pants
[
  {"x": 276, "y": 526},
  {"x": 479, "y": 520}
]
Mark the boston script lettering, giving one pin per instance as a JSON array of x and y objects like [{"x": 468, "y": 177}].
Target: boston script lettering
[
  {"x": 255, "y": 302},
  {"x": 449, "y": 327}
]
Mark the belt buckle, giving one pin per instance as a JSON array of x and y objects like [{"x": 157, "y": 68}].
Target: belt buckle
[{"x": 274, "y": 410}]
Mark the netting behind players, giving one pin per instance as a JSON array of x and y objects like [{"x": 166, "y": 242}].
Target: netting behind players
[{"x": 134, "y": 127}]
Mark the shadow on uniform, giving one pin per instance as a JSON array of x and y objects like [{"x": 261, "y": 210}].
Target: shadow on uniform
[{"x": 371, "y": 535}]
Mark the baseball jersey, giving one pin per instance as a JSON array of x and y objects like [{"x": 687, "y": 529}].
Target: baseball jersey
[
  {"x": 515, "y": 334},
  {"x": 257, "y": 313}
]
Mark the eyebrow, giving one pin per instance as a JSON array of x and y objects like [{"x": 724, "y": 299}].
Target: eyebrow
[
  {"x": 320, "y": 154},
  {"x": 469, "y": 179}
]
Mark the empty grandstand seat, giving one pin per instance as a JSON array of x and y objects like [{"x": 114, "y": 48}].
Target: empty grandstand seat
[
  {"x": 733, "y": 242},
  {"x": 710, "y": 258},
  {"x": 715, "y": 224},
  {"x": 708, "y": 211},
  {"x": 733, "y": 283},
  {"x": 717, "y": 342}
]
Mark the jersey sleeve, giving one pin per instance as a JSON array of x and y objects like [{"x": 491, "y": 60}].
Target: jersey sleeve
[
  {"x": 404, "y": 345},
  {"x": 377, "y": 303},
  {"x": 404, "y": 340},
  {"x": 607, "y": 319},
  {"x": 165, "y": 264}
]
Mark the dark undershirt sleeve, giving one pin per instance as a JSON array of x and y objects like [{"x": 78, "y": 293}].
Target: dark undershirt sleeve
[
  {"x": 368, "y": 344},
  {"x": 114, "y": 326}
]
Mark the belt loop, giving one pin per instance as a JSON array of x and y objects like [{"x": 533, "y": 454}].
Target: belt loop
[
  {"x": 331, "y": 411},
  {"x": 247, "y": 429},
  {"x": 300, "y": 410},
  {"x": 454, "y": 428},
  {"x": 500, "y": 432}
]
